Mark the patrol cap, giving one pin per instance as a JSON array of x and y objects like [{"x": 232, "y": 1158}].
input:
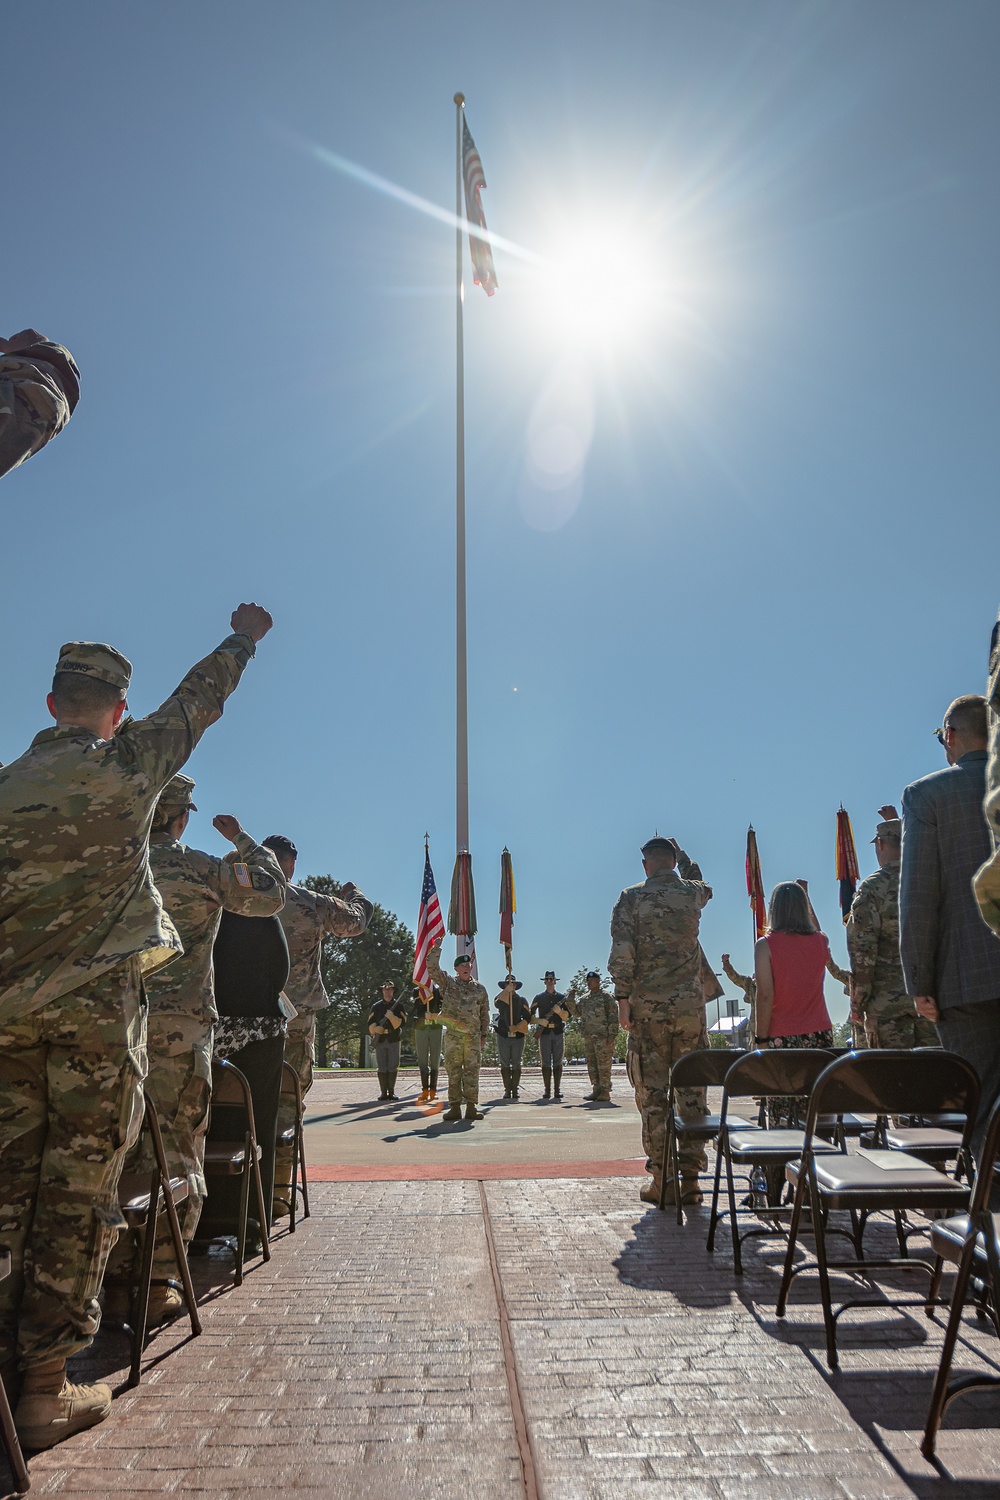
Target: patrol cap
[
  {"x": 279, "y": 844},
  {"x": 463, "y": 958},
  {"x": 659, "y": 845},
  {"x": 94, "y": 659},
  {"x": 593, "y": 974},
  {"x": 176, "y": 795},
  {"x": 549, "y": 974},
  {"x": 892, "y": 828},
  {"x": 509, "y": 979}
]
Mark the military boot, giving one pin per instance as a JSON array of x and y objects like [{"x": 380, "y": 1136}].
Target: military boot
[
  {"x": 472, "y": 1112},
  {"x": 390, "y": 1085},
  {"x": 425, "y": 1086},
  {"x": 507, "y": 1087},
  {"x": 454, "y": 1111},
  {"x": 547, "y": 1081},
  {"x": 383, "y": 1084},
  {"x": 557, "y": 1083},
  {"x": 432, "y": 1092},
  {"x": 51, "y": 1408},
  {"x": 515, "y": 1083}
]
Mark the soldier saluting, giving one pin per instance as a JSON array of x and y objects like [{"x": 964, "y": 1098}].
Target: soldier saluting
[
  {"x": 553, "y": 1009},
  {"x": 82, "y": 924},
  {"x": 598, "y": 1012},
  {"x": 512, "y": 1022},
  {"x": 465, "y": 1010}
]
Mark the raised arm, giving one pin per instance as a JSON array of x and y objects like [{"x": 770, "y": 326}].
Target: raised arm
[
  {"x": 743, "y": 980},
  {"x": 344, "y": 916},
  {"x": 162, "y": 742},
  {"x": 248, "y": 882}
]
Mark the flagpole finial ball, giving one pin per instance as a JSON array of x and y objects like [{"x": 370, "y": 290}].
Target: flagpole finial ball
[{"x": 460, "y": 100}]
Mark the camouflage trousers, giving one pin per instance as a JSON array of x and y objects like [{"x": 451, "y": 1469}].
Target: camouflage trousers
[
  {"x": 70, "y": 1108},
  {"x": 299, "y": 1041},
  {"x": 179, "y": 1082},
  {"x": 661, "y": 1033},
  {"x": 904, "y": 1029},
  {"x": 462, "y": 1057},
  {"x": 599, "y": 1052}
]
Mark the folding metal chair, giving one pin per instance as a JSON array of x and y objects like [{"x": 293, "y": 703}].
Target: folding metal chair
[
  {"x": 882, "y": 1083},
  {"x": 294, "y": 1137},
  {"x": 141, "y": 1200},
  {"x": 768, "y": 1073},
  {"x": 972, "y": 1242},
  {"x": 706, "y": 1068},
  {"x": 238, "y": 1158},
  {"x": 8, "y": 1432}
]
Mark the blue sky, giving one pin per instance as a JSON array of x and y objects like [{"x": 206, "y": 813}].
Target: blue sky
[{"x": 774, "y": 560}]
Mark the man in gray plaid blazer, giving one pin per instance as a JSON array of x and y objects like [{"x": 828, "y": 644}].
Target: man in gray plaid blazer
[{"x": 951, "y": 959}]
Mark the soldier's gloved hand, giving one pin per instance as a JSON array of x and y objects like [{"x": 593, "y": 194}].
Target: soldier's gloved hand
[
  {"x": 252, "y": 620},
  {"x": 228, "y": 826}
]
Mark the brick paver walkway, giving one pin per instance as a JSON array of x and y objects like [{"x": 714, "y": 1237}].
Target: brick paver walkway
[{"x": 367, "y": 1360}]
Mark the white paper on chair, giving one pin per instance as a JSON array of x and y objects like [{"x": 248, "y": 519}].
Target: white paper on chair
[{"x": 893, "y": 1161}]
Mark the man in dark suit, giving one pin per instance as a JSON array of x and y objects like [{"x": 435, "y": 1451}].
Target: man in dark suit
[{"x": 951, "y": 959}]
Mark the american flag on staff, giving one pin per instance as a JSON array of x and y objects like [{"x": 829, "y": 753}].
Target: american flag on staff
[
  {"x": 847, "y": 861},
  {"x": 484, "y": 273},
  {"x": 430, "y": 926}
]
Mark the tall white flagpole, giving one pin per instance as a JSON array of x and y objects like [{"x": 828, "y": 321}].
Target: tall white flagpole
[{"x": 461, "y": 654}]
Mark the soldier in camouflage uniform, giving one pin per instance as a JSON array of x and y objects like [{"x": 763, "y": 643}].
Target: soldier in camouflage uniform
[
  {"x": 598, "y": 1016},
  {"x": 465, "y": 1011},
  {"x": 879, "y": 1000},
  {"x": 656, "y": 965},
  {"x": 82, "y": 926},
  {"x": 195, "y": 889},
  {"x": 307, "y": 917},
  {"x": 39, "y": 389}
]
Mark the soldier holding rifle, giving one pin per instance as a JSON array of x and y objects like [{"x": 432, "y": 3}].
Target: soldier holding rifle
[
  {"x": 385, "y": 1027},
  {"x": 511, "y": 1026},
  {"x": 553, "y": 1009},
  {"x": 427, "y": 1036}
]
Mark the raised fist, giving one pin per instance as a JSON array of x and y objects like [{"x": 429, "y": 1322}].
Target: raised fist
[{"x": 251, "y": 620}]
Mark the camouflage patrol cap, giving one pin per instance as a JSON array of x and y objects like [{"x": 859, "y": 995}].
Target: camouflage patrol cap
[
  {"x": 659, "y": 845},
  {"x": 94, "y": 659},
  {"x": 176, "y": 795},
  {"x": 892, "y": 828}
]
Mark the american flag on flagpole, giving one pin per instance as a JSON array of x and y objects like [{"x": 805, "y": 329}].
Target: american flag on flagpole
[
  {"x": 430, "y": 926},
  {"x": 484, "y": 273}
]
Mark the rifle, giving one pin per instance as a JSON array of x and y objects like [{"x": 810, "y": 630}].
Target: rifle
[{"x": 560, "y": 1010}]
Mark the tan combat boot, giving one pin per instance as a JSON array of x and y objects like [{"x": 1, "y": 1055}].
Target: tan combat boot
[{"x": 51, "y": 1408}]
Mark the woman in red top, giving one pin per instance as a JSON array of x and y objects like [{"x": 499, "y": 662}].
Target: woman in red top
[{"x": 789, "y": 964}]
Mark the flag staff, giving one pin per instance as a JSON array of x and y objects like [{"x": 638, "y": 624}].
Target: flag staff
[{"x": 461, "y": 654}]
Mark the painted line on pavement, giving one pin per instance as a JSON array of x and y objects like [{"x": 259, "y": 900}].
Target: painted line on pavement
[
  {"x": 477, "y": 1171},
  {"x": 528, "y": 1474}
]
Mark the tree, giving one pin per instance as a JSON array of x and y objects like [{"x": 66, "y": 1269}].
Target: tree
[{"x": 353, "y": 971}]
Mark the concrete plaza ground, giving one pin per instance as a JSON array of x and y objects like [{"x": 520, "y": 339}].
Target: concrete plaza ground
[{"x": 454, "y": 1330}]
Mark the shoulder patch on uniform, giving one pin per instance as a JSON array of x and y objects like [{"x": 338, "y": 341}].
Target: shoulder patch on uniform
[
  {"x": 262, "y": 881},
  {"x": 242, "y": 873}
]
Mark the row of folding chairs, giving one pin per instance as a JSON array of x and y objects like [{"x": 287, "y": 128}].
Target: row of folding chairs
[
  {"x": 143, "y": 1200},
  {"x": 901, "y": 1168}
]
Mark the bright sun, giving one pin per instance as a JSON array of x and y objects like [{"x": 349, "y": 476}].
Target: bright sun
[{"x": 596, "y": 291}]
